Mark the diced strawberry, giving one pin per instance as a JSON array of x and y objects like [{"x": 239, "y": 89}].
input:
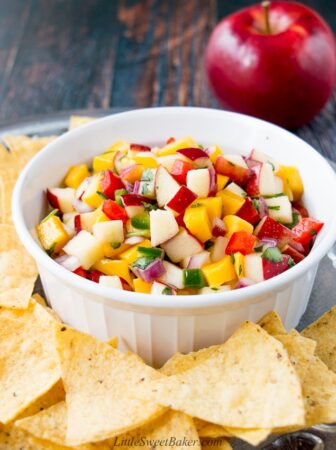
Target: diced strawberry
[
  {"x": 77, "y": 223},
  {"x": 180, "y": 169},
  {"x": 238, "y": 174},
  {"x": 114, "y": 211},
  {"x": 306, "y": 230},
  {"x": 241, "y": 241},
  {"x": 293, "y": 253},
  {"x": 94, "y": 275},
  {"x": 81, "y": 272},
  {"x": 272, "y": 269},
  {"x": 249, "y": 212},
  {"x": 270, "y": 228},
  {"x": 182, "y": 199},
  {"x": 140, "y": 148},
  {"x": 110, "y": 183}
]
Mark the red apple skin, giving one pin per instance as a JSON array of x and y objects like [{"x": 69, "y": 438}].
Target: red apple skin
[
  {"x": 284, "y": 77},
  {"x": 53, "y": 200}
]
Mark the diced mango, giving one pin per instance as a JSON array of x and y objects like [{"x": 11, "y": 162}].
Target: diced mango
[
  {"x": 222, "y": 181},
  {"x": 149, "y": 162},
  {"x": 219, "y": 272},
  {"x": 103, "y": 162},
  {"x": 133, "y": 174},
  {"x": 118, "y": 146},
  {"x": 239, "y": 264},
  {"x": 132, "y": 253},
  {"x": 91, "y": 195},
  {"x": 197, "y": 221},
  {"x": 99, "y": 216},
  {"x": 75, "y": 175},
  {"x": 292, "y": 179},
  {"x": 111, "y": 252},
  {"x": 231, "y": 202},
  {"x": 114, "y": 267},
  {"x": 213, "y": 206},
  {"x": 172, "y": 148},
  {"x": 142, "y": 286},
  {"x": 216, "y": 152},
  {"x": 235, "y": 223},
  {"x": 52, "y": 234}
]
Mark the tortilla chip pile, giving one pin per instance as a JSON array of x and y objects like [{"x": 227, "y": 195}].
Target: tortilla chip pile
[{"x": 61, "y": 389}]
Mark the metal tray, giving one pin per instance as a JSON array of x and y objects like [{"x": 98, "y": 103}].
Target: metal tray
[{"x": 323, "y": 296}]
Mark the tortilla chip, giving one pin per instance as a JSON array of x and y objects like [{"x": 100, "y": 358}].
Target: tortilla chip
[
  {"x": 179, "y": 362},
  {"x": 39, "y": 299},
  {"x": 23, "y": 148},
  {"x": 323, "y": 331},
  {"x": 77, "y": 121},
  {"x": 219, "y": 389},
  {"x": 101, "y": 386},
  {"x": 272, "y": 323},
  {"x": 212, "y": 444},
  {"x": 173, "y": 429},
  {"x": 28, "y": 365},
  {"x": 210, "y": 430},
  {"x": 18, "y": 270},
  {"x": 113, "y": 342}
]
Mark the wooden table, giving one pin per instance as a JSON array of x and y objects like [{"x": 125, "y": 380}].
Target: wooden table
[{"x": 67, "y": 54}]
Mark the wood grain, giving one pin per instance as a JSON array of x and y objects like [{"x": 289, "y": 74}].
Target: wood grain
[{"x": 66, "y": 54}]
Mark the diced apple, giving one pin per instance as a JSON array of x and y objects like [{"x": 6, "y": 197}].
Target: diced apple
[
  {"x": 268, "y": 184},
  {"x": 198, "y": 181},
  {"x": 237, "y": 160},
  {"x": 280, "y": 208},
  {"x": 160, "y": 288},
  {"x": 199, "y": 260},
  {"x": 181, "y": 200},
  {"x": 252, "y": 186},
  {"x": 165, "y": 186},
  {"x": 133, "y": 204},
  {"x": 163, "y": 226},
  {"x": 254, "y": 267},
  {"x": 87, "y": 220},
  {"x": 69, "y": 219},
  {"x": 239, "y": 173},
  {"x": 209, "y": 290},
  {"x": 168, "y": 161},
  {"x": 111, "y": 281},
  {"x": 173, "y": 275},
  {"x": 217, "y": 251},
  {"x": 122, "y": 162},
  {"x": 109, "y": 232},
  {"x": 62, "y": 199},
  {"x": 86, "y": 248},
  {"x": 181, "y": 246},
  {"x": 233, "y": 187},
  {"x": 256, "y": 155}
]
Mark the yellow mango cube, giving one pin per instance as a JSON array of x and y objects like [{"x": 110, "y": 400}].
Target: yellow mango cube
[
  {"x": 239, "y": 265},
  {"x": 52, "y": 234},
  {"x": 114, "y": 267},
  {"x": 220, "y": 272},
  {"x": 103, "y": 162},
  {"x": 222, "y": 181},
  {"x": 99, "y": 216},
  {"x": 172, "y": 148},
  {"x": 235, "y": 223},
  {"x": 75, "y": 175},
  {"x": 213, "y": 206},
  {"x": 132, "y": 253},
  {"x": 113, "y": 252},
  {"x": 118, "y": 146},
  {"x": 142, "y": 286},
  {"x": 91, "y": 195},
  {"x": 292, "y": 179},
  {"x": 197, "y": 221},
  {"x": 217, "y": 151},
  {"x": 231, "y": 202},
  {"x": 148, "y": 161}
]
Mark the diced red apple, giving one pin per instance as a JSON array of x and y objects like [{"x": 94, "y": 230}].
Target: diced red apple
[
  {"x": 109, "y": 232},
  {"x": 238, "y": 173},
  {"x": 280, "y": 208},
  {"x": 199, "y": 260},
  {"x": 269, "y": 184},
  {"x": 217, "y": 251},
  {"x": 86, "y": 248},
  {"x": 69, "y": 219},
  {"x": 61, "y": 198},
  {"x": 165, "y": 186},
  {"x": 133, "y": 204},
  {"x": 168, "y": 161},
  {"x": 238, "y": 160},
  {"x": 218, "y": 227},
  {"x": 249, "y": 212},
  {"x": 198, "y": 156},
  {"x": 252, "y": 186},
  {"x": 253, "y": 264},
  {"x": 233, "y": 187},
  {"x": 256, "y": 155},
  {"x": 181, "y": 200},
  {"x": 111, "y": 281},
  {"x": 198, "y": 181},
  {"x": 272, "y": 269},
  {"x": 139, "y": 148},
  {"x": 163, "y": 226},
  {"x": 173, "y": 275},
  {"x": 181, "y": 246}
]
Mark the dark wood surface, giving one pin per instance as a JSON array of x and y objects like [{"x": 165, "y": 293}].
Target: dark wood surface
[{"x": 66, "y": 54}]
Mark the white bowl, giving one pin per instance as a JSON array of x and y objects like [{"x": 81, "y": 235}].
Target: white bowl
[{"x": 157, "y": 326}]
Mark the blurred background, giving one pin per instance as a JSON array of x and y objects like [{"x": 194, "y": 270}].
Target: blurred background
[{"x": 68, "y": 54}]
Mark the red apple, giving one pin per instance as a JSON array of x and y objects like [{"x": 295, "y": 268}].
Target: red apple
[{"x": 275, "y": 61}]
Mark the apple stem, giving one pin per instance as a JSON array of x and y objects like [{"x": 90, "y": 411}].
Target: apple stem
[{"x": 266, "y": 5}]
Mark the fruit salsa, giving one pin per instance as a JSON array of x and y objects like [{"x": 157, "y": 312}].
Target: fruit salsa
[{"x": 178, "y": 219}]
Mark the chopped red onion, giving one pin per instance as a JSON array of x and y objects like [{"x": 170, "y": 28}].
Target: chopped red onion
[
  {"x": 82, "y": 207},
  {"x": 213, "y": 180},
  {"x": 199, "y": 260},
  {"x": 68, "y": 262},
  {"x": 263, "y": 208},
  {"x": 268, "y": 242},
  {"x": 134, "y": 240},
  {"x": 244, "y": 282},
  {"x": 136, "y": 187},
  {"x": 155, "y": 270},
  {"x": 128, "y": 186}
]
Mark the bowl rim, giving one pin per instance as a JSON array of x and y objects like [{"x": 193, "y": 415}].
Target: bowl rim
[{"x": 162, "y": 301}]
